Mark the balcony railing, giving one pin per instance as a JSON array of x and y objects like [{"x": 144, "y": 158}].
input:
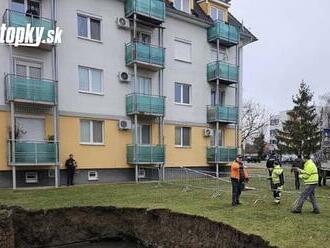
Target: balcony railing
[
  {"x": 145, "y": 54},
  {"x": 33, "y": 153},
  {"x": 225, "y": 114},
  {"x": 17, "y": 19},
  {"x": 226, "y": 73},
  {"x": 145, "y": 104},
  {"x": 228, "y": 35},
  {"x": 34, "y": 90},
  {"x": 221, "y": 155},
  {"x": 152, "y": 9},
  {"x": 145, "y": 154}
]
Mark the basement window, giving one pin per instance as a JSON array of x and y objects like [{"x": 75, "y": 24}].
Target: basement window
[
  {"x": 93, "y": 176},
  {"x": 31, "y": 177},
  {"x": 142, "y": 173}
]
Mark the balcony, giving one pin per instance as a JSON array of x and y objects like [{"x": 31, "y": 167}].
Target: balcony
[
  {"x": 221, "y": 155},
  {"x": 17, "y": 19},
  {"x": 29, "y": 153},
  {"x": 226, "y": 73},
  {"x": 145, "y": 55},
  {"x": 224, "y": 114},
  {"x": 228, "y": 35},
  {"x": 145, "y": 154},
  {"x": 142, "y": 104},
  {"x": 30, "y": 90},
  {"x": 147, "y": 10}
]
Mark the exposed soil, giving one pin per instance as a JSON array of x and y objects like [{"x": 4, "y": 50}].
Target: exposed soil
[{"x": 145, "y": 228}]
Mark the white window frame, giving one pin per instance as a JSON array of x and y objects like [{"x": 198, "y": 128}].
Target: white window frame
[
  {"x": 187, "y": 42},
  {"x": 89, "y": 17},
  {"x": 93, "y": 178},
  {"x": 142, "y": 173},
  {"x": 91, "y": 134},
  {"x": 188, "y": 11},
  {"x": 181, "y": 137},
  {"x": 28, "y": 64},
  {"x": 26, "y": 5},
  {"x": 33, "y": 179},
  {"x": 90, "y": 81},
  {"x": 218, "y": 10},
  {"x": 181, "y": 97}
]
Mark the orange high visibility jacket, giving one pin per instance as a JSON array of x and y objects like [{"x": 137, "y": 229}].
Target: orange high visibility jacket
[{"x": 235, "y": 168}]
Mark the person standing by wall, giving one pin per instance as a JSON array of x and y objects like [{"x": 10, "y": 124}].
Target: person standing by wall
[
  {"x": 238, "y": 176},
  {"x": 310, "y": 177},
  {"x": 70, "y": 165}
]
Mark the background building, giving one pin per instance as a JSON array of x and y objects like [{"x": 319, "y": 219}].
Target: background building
[{"x": 136, "y": 88}]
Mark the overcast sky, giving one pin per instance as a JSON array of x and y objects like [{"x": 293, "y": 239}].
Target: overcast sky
[{"x": 294, "y": 44}]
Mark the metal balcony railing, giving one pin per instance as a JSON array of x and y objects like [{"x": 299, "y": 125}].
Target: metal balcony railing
[
  {"x": 227, "y": 73},
  {"x": 225, "y": 114},
  {"x": 145, "y": 154},
  {"x": 34, "y": 90},
  {"x": 145, "y": 54},
  {"x": 33, "y": 152},
  {"x": 153, "y": 9},
  {"x": 219, "y": 154},
  {"x": 145, "y": 104},
  {"x": 228, "y": 35}
]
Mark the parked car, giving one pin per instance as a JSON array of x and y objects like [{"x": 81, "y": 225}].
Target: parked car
[{"x": 252, "y": 158}]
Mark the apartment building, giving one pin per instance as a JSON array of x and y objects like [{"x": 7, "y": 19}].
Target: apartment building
[{"x": 135, "y": 89}]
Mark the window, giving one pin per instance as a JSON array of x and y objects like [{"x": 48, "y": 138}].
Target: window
[
  {"x": 221, "y": 100},
  {"x": 272, "y": 133},
  {"x": 27, "y": 69},
  {"x": 144, "y": 134},
  {"x": 182, "y": 93},
  {"x": 217, "y": 138},
  {"x": 31, "y": 177},
  {"x": 30, "y": 7},
  {"x": 217, "y": 14},
  {"x": 182, "y": 136},
  {"x": 142, "y": 173},
  {"x": 93, "y": 176},
  {"x": 51, "y": 173},
  {"x": 89, "y": 27},
  {"x": 90, "y": 80},
  {"x": 222, "y": 55},
  {"x": 274, "y": 122},
  {"x": 183, "y": 50},
  {"x": 91, "y": 132},
  {"x": 182, "y": 5},
  {"x": 144, "y": 85},
  {"x": 18, "y": 5},
  {"x": 144, "y": 37}
]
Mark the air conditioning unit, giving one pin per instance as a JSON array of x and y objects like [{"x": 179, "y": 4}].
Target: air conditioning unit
[
  {"x": 122, "y": 23},
  {"x": 208, "y": 132},
  {"x": 124, "y": 77},
  {"x": 124, "y": 124}
]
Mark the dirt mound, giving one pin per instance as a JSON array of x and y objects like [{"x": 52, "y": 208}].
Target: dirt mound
[{"x": 150, "y": 228}]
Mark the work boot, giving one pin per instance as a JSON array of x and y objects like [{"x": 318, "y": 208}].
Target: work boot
[
  {"x": 316, "y": 211},
  {"x": 295, "y": 211}
]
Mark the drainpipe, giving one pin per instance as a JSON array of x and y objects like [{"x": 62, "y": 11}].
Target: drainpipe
[
  {"x": 216, "y": 138},
  {"x": 135, "y": 116}
]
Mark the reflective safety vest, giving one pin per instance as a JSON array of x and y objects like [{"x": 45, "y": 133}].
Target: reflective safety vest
[
  {"x": 309, "y": 174},
  {"x": 276, "y": 174},
  {"x": 235, "y": 170}
]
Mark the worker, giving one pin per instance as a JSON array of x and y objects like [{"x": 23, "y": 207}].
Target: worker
[
  {"x": 239, "y": 176},
  {"x": 270, "y": 163},
  {"x": 277, "y": 180},
  {"x": 298, "y": 163},
  {"x": 310, "y": 177},
  {"x": 71, "y": 166}
]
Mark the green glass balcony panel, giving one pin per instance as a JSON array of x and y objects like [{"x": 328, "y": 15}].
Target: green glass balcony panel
[
  {"x": 218, "y": 154},
  {"x": 145, "y": 104},
  {"x": 145, "y": 53},
  {"x": 225, "y": 114},
  {"x": 154, "y": 9},
  {"x": 34, "y": 153},
  {"x": 145, "y": 154},
  {"x": 228, "y": 35},
  {"x": 18, "y": 19},
  {"x": 30, "y": 89},
  {"x": 225, "y": 72}
]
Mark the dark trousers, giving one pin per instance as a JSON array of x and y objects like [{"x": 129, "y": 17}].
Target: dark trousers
[
  {"x": 70, "y": 176},
  {"x": 309, "y": 192},
  {"x": 322, "y": 177},
  {"x": 296, "y": 180},
  {"x": 276, "y": 192},
  {"x": 237, "y": 187}
]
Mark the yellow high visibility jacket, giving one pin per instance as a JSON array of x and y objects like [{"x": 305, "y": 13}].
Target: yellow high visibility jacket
[{"x": 309, "y": 174}]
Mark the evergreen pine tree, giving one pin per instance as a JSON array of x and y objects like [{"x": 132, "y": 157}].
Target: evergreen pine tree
[
  {"x": 301, "y": 133},
  {"x": 259, "y": 144}
]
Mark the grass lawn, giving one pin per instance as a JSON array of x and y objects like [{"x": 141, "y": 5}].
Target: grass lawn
[{"x": 272, "y": 222}]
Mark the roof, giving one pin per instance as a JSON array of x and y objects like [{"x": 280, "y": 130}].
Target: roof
[{"x": 244, "y": 31}]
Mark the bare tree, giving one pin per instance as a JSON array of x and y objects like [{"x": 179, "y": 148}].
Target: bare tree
[{"x": 254, "y": 119}]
